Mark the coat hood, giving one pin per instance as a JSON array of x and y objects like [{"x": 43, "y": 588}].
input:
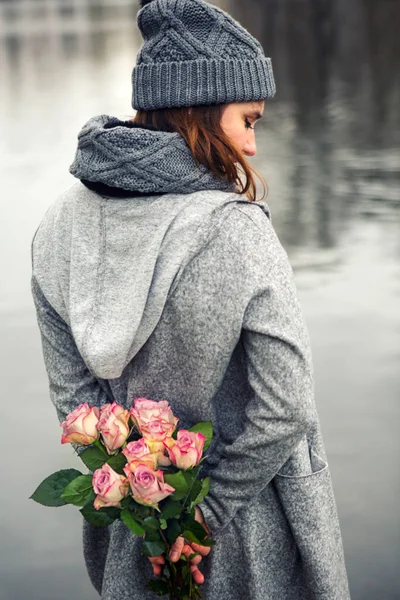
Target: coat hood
[{"x": 107, "y": 265}]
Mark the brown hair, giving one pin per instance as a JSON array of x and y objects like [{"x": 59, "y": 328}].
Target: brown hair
[{"x": 201, "y": 129}]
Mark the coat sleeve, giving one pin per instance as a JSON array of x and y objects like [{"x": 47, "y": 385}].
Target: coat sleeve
[
  {"x": 70, "y": 381},
  {"x": 280, "y": 374}
]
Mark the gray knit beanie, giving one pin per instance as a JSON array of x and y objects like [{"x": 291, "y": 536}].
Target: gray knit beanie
[{"x": 194, "y": 53}]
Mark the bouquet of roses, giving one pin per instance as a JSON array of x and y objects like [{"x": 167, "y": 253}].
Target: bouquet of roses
[{"x": 144, "y": 472}]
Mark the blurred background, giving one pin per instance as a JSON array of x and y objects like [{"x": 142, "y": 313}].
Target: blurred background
[{"x": 329, "y": 147}]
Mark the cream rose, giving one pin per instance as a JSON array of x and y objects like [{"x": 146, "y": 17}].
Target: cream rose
[
  {"x": 80, "y": 426},
  {"x": 113, "y": 426},
  {"x": 154, "y": 418},
  {"x": 186, "y": 451},
  {"x": 139, "y": 452}
]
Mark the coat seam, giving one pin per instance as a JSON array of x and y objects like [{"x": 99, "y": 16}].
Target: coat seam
[
  {"x": 250, "y": 218},
  {"x": 99, "y": 275}
]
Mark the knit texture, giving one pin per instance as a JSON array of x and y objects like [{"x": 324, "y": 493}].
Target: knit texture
[
  {"x": 139, "y": 159},
  {"x": 194, "y": 53}
]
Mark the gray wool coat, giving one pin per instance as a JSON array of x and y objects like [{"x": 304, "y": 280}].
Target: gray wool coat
[{"x": 190, "y": 298}]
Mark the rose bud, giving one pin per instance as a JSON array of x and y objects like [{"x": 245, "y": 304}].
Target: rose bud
[
  {"x": 109, "y": 486},
  {"x": 148, "y": 486},
  {"x": 80, "y": 426},
  {"x": 186, "y": 451},
  {"x": 113, "y": 426}
]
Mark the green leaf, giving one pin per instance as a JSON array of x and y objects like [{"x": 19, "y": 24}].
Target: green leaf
[
  {"x": 178, "y": 481},
  {"x": 153, "y": 535},
  {"x": 196, "y": 528},
  {"x": 80, "y": 491},
  {"x": 153, "y": 548},
  {"x": 131, "y": 523},
  {"x": 151, "y": 523},
  {"x": 190, "y": 476},
  {"x": 160, "y": 588},
  {"x": 171, "y": 508},
  {"x": 113, "y": 511},
  {"x": 195, "y": 491},
  {"x": 188, "y": 518},
  {"x": 93, "y": 458},
  {"x": 191, "y": 537},
  {"x": 117, "y": 462},
  {"x": 102, "y": 517},
  {"x": 205, "y": 427},
  {"x": 205, "y": 488},
  {"x": 190, "y": 525},
  {"x": 172, "y": 531},
  {"x": 138, "y": 510},
  {"x": 163, "y": 523},
  {"x": 48, "y": 493}
]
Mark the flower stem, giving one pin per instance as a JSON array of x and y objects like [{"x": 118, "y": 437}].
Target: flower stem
[
  {"x": 175, "y": 579},
  {"x": 100, "y": 446},
  {"x": 197, "y": 469}
]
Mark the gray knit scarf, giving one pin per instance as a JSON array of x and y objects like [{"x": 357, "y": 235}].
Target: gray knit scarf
[{"x": 121, "y": 154}]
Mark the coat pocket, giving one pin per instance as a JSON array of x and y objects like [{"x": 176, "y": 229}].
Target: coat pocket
[
  {"x": 303, "y": 462},
  {"x": 304, "y": 488}
]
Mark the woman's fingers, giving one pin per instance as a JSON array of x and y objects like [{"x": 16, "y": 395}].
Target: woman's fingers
[
  {"x": 157, "y": 562},
  {"x": 204, "y": 550},
  {"x": 196, "y": 560},
  {"x": 176, "y": 549},
  {"x": 197, "y": 575},
  {"x": 200, "y": 518},
  {"x": 187, "y": 551},
  {"x": 157, "y": 569}
]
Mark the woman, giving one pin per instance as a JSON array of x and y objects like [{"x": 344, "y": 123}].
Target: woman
[{"x": 158, "y": 275}]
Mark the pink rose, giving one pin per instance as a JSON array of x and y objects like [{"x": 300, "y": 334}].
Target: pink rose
[
  {"x": 187, "y": 450},
  {"x": 145, "y": 412},
  {"x": 139, "y": 452},
  {"x": 81, "y": 425},
  {"x": 113, "y": 426},
  {"x": 146, "y": 452},
  {"x": 135, "y": 450},
  {"x": 157, "y": 431},
  {"x": 109, "y": 486},
  {"x": 147, "y": 485}
]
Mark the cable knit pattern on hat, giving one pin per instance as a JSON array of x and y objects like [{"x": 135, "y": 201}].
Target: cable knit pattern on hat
[
  {"x": 139, "y": 159},
  {"x": 194, "y": 53}
]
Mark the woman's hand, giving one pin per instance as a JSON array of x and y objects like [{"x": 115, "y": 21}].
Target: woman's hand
[{"x": 179, "y": 547}]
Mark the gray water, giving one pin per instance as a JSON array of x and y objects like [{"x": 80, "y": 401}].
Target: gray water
[{"x": 329, "y": 149}]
